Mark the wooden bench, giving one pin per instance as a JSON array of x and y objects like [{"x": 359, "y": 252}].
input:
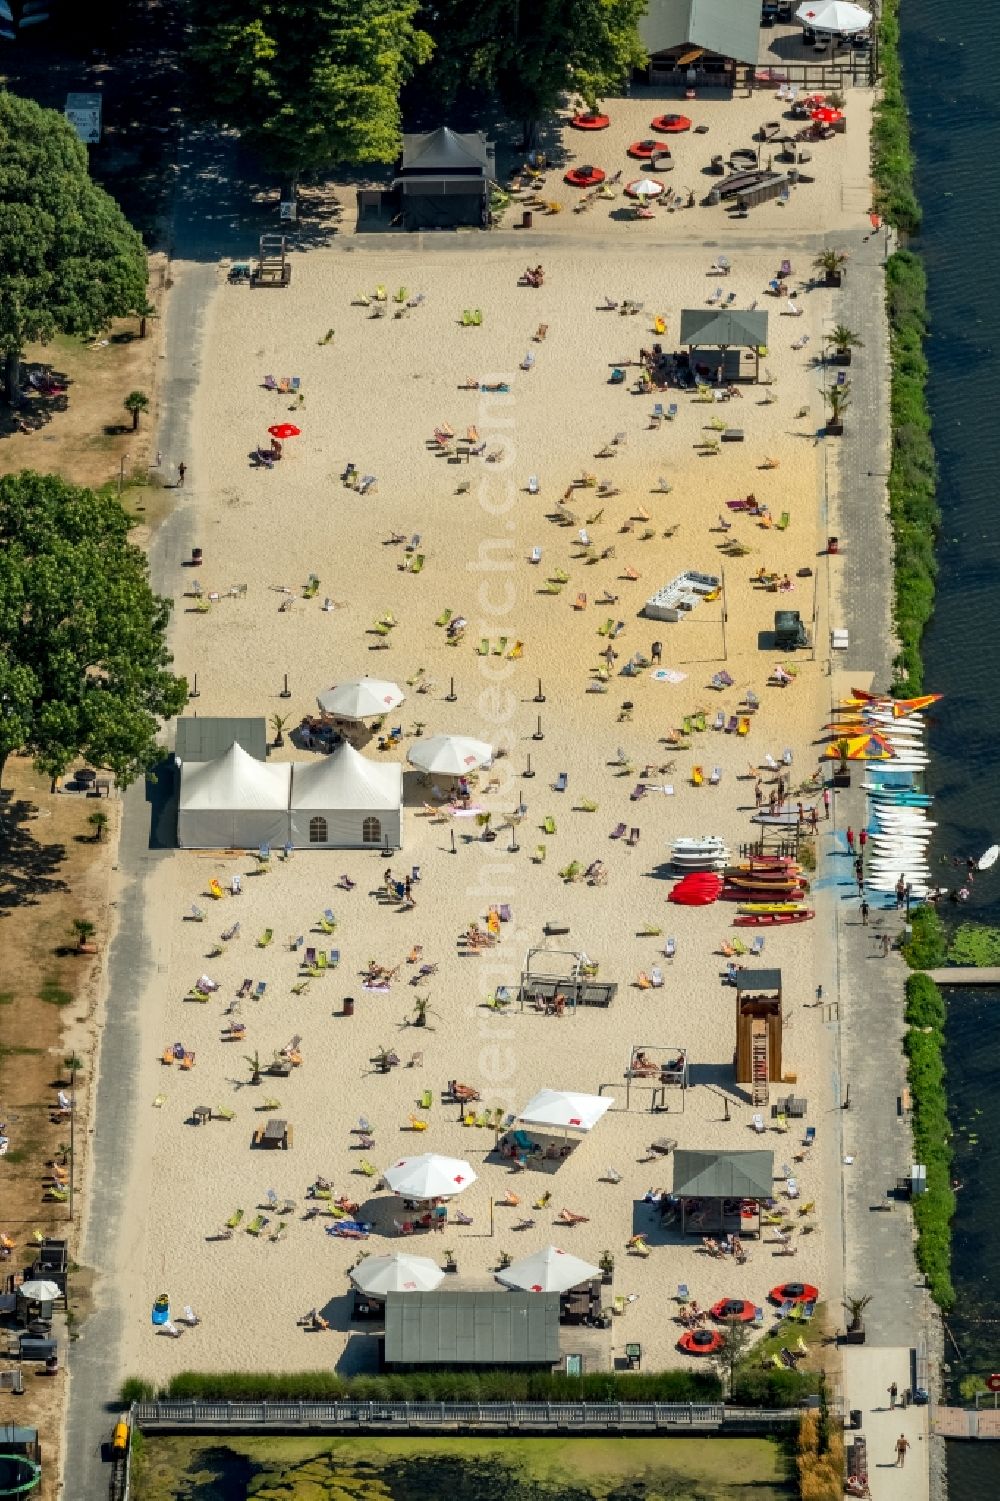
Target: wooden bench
[{"x": 904, "y": 1103}]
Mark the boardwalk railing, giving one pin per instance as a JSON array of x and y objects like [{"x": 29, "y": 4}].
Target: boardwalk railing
[{"x": 522, "y": 1417}]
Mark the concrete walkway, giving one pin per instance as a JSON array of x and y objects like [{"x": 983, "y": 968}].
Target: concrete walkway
[
  {"x": 868, "y": 1374},
  {"x": 205, "y": 227}
]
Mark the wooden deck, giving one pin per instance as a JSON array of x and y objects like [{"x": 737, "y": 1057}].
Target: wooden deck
[
  {"x": 964, "y": 975},
  {"x": 966, "y": 1422}
]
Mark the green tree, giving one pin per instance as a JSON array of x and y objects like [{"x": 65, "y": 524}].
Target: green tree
[
  {"x": 84, "y": 669},
  {"x": 71, "y": 261},
  {"x": 308, "y": 82},
  {"x": 136, "y": 402},
  {"x": 530, "y": 54}
]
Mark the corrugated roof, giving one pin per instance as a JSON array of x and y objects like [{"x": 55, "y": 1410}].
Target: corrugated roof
[
  {"x": 724, "y": 1175},
  {"x": 205, "y": 738},
  {"x": 710, "y": 329},
  {"x": 472, "y": 1328},
  {"x": 758, "y": 979},
  {"x": 730, "y": 28}
]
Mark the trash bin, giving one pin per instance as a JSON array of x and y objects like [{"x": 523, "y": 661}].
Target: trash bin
[
  {"x": 348, "y": 1006},
  {"x": 526, "y": 219},
  {"x": 855, "y": 1422}
]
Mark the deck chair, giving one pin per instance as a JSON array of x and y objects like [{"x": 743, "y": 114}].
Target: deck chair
[
  {"x": 535, "y": 556},
  {"x": 618, "y": 832},
  {"x": 265, "y": 938},
  {"x": 757, "y": 1121},
  {"x": 656, "y": 977},
  {"x": 670, "y": 948},
  {"x": 757, "y": 947},
  {"x": 367, "y": 1168},
  {"x": 327, "y": 922},
  {"x": 781, "y": 524},
  {"x": 716, "y": 776},
  {"x": 197, "y": 915},
  {"x": 541, "y": 851},
  {"x": 810, "y": 1136},
  {"x": 560, "y": 784}
]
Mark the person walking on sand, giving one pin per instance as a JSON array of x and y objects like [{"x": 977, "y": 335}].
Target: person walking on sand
[
  {"x": 865, "y": 910},
  {"x": 850, "y": 839},
  {"x": 902, "y": 1444},
  {"x": 893, "y": 1394},
  {"x": 758, "y": 792},
  {"x": 181, "y": 471},
  {"x": 826, "y": 803},
  {"x": 862, "y": 839}
]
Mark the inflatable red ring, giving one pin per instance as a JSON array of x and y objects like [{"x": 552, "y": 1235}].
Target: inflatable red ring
[
  {"x": 701, "y": 1341},
  {"x": 585, "y": 177},
  {"x": 670, "y": 124},
  {"x": 643, "y": 151},
  {"x": 590, "y": 122}
]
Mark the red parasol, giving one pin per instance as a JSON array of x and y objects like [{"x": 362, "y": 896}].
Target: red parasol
[
  {"x": 284, "y": 430},
  {"x": 585, "y": 177},
  {"x": 826, "y": 115},
  {"x": 670, "y": 124},
  {"x": 590, "y": 122}
]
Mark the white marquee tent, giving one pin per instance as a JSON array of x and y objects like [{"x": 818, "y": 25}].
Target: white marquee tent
[
  {"x": 345, "y": 801},
  {"x": 234, "y": 802}
]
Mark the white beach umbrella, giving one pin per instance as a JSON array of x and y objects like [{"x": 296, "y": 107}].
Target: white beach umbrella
[
  {"x": 644, "y": 187},
  {"x": 833, "y": 15},
  {"x": 379, "y": 1275},
  {"x": 361, "y": 698},
  {"x": 429, "y": 1176},
  {"x": 564, "y": 1108},
  {"x": 450, "y": 755},
  {"x": 39, "y": 1291},
  {"x": 548, "y": 1271}
]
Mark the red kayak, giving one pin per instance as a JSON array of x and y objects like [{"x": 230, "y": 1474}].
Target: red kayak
[
  {"x": 771, "y": 919},
  {"x": 698, "y": 889}
]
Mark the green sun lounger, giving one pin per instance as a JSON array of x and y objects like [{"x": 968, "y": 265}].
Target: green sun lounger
[
  {"x": 265, "y": 938},
  {"x": 549, "y": 824},
  {"x": 234, "y": 1219},
  {"x": 257, "y": 1224},
  {"x": 444, "y": 617}
]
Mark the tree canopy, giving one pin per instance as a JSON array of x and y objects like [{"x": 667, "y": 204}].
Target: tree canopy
[
  {"x": 529, "y": 54},
  {"x": 70, "y": 259},
  {"x": 308, "y": 82},
  {"x": 84, "y": 669}
]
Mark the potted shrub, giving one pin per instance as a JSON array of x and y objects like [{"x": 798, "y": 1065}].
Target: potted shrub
[
  {"x": 838, "y": 400},
  {"x": 842, "y": 341},
  {"x": 98, "y": 822},
  {"x": 831, "y": 262},
  {"x": 278, "y": 723},
  {"x": 483, "y": 822},
  {"x": 855, "y": 1308},
  {"x": 607, "y": 1266},
  {"x": 506, "y": 1259},
  {"x": 83, "y": 931},
  {"x": 450, "y": 1261},
  {"x": 253, "y": 1063}
]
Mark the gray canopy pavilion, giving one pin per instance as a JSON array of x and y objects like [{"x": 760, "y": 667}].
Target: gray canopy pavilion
[
  {"x": 444, "y": 179},
  {"x": 712, "y": 1187},
  {"x": 715, "y": 337}
]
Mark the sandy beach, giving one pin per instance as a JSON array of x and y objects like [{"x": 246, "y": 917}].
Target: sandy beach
[{"x": 373, "y": 396}]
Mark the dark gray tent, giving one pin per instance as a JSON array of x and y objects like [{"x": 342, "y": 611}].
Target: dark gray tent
[{"x": 444, "y": 179}]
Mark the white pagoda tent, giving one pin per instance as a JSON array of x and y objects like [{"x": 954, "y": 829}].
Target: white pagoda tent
[
  {"x": 234, "y": 802},
  {"x": 345, "y": 801}
]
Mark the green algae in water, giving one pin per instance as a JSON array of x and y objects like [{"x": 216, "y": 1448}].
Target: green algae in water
[{"x": 463, "y": 1469}]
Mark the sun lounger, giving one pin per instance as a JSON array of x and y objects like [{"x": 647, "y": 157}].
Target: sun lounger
[
  {"x": 560, "y": 784},
  {"x": 757, "y": 1121},
  {"x": 617, "y": 832}
]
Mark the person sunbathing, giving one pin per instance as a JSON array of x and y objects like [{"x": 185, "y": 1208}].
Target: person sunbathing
[{"x": 568, "y": 1217}]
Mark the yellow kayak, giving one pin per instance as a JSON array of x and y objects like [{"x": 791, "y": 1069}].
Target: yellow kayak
[{"x": 752, "y": 908}]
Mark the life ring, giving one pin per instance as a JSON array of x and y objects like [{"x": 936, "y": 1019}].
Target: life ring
[{"x": 993, "y": 1382}]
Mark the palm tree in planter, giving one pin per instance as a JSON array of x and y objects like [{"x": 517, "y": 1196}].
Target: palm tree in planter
[
  {"x": 136, "y": 402},
  {"x": 831, "y": 262},
  {"x": 253, "y": 1063},
  {"x": 83, "y": 931},
  {"x": 842, "y": 340},
  {"x": 483, "y": 822},
  {"x": 842, "y": 776},
  {"x": 855, "y": 1309},
  {"x": 420, "y": 1008},
  {"x": 278, "y": 723},
  {"x": 98, "y": 822},
  {"x": 838, "y": 399}
]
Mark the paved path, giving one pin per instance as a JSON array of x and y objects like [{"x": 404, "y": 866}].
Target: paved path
[
  {"x": 205, "y": 226},
  {"x": 868, "y": 1374},
  {"x": 878, "y": 1243}
]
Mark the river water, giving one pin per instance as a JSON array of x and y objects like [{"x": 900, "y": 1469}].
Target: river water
[{"x": 951, "y": 59}]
